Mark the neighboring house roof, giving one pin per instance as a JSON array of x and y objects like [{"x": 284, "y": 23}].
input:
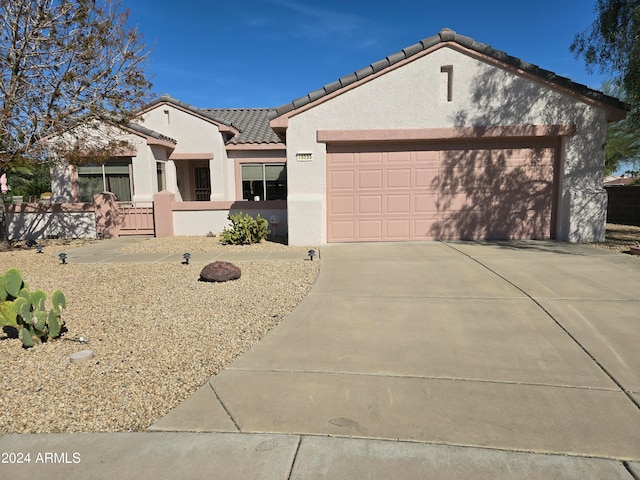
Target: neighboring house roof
[
  {"x": 622, "y": 182},
  {"x": 445, "y": 36},
  {"x": 253, "y": 124}
]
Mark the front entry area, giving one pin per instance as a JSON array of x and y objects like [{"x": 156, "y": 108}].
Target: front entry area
[
  {"x": 201, "y": 183},
  {"x": 470, "y": 190}
]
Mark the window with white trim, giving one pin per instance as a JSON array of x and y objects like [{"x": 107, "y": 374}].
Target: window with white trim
[
  {"x": 264, "y": 181},
  {"x": 114, "y": 177}
]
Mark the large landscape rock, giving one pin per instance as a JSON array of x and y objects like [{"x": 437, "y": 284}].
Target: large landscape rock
[{"x": 219, "y": 272}]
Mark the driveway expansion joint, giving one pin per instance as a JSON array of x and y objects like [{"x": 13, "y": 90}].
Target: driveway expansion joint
[
  {"x": 560, "y": 326},
  {"x": 295, "y": 457},
  {"x": 544, "y": 453},
  {"x": 226, "y": 409},
  {"x": 424, "y": 377}
]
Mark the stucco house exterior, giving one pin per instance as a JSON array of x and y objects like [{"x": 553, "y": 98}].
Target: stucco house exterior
[{"x": 446, "y": 139}]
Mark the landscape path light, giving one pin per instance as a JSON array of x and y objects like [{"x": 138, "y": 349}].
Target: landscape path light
[
  {"x": 186, "y": 257},
  {"x": 63, "y": 258}
]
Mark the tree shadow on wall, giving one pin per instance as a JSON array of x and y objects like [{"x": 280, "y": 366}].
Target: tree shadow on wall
[
  {"x": 486, "y": 193},
  {"x": 496, "y": 187},
  {"x": 49, "y": 221}
]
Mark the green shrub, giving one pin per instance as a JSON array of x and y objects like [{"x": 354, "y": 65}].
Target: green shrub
[
  {"x": 25, "y": 311},
  {"x": 245, "y": 230}
]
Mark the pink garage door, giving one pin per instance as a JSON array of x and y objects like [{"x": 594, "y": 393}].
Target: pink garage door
[{"x": 479, "y": 190}]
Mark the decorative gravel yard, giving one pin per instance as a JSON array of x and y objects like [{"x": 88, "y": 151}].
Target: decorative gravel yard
[{"x": 156, "y": 332}]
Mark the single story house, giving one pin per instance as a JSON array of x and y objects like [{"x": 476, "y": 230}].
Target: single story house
[{"x": 446, "y": 139}]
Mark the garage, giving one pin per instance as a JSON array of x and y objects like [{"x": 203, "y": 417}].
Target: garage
[
  {"x": 446, "y": 139},
  {"x": 471, "y": 190}
]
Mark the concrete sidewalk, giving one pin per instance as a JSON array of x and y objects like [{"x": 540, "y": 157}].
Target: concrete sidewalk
[
  {"x": 413, "y": 360},
  {"x": 110, "y": 251}
]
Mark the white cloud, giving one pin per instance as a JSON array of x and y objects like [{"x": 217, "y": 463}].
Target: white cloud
[{"x": 320, "y": 23}]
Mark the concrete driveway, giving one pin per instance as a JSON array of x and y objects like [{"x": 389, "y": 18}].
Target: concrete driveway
[{"x": 516, "y": 346}]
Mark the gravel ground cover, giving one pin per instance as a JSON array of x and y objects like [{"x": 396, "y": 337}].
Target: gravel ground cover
[
  {"x": 620, "y": 238},
  {"x": 156, "y": 332}
]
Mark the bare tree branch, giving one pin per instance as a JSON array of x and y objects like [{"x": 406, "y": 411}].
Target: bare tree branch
[{"x": 63, "y": 62}]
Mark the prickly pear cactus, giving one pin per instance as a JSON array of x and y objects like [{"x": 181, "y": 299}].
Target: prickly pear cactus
[
  {"x": 25, "y": 310},
  {"x": 245, "y": 230}
]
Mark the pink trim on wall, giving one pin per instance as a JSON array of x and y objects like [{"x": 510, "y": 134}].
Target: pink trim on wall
[
  {"x": 238, "y": 170},
  {"x": 158, "y": 141},
  {"x": 409, "y": 134},
  {"x": 128, "y": 153},
  {"x": 191, "y": 156},
  {"x": 256, "y": 146}
]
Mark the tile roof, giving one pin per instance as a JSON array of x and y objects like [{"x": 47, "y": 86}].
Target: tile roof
[
  {"x": 253, "y": 124},
  {"x": 622, "y": 182},
  {"x": 185, "y": 106},
  {"x": 148, "y": 132},
  {"x": 446, "y": 35},
  {"x": 250, "y": 125}
]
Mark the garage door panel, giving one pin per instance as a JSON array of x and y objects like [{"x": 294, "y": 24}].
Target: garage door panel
[
  {"x": 425, "y": 177},
  {"x": 466, "y": 190},
  {"x": 452, "y": 202},
  {"x": 342, "y": 159},
  {"x": 398, "y": 178},
  {"x": 398, "y": 229},
  {"x": 342, "y": 205},
  {"x": 342, "y": 230},
  {"x": 369, "y": 158},
  {"x": 369, "y": 229},
  {"x": 426, "y": 157},
  {"x": 369, "y": 204},
  {"x": 398, "y": 203},
  {"x": 342, "y": 180},
  {"x": 424, "y": 227},
  {"x": 399, "y": 157},
  {"x": 425, "y": 202},
  {"x": 370, "y": 179}
]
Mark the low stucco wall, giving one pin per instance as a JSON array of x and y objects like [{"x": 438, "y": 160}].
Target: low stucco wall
[
  {"x": 62, "y": 220},
  {"x": 200, "y": 218}
]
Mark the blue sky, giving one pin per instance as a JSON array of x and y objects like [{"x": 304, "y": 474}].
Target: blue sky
[{"x": 264, "y": 53}]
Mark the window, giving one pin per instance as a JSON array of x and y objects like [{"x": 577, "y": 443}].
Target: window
[
  {"x": 202, "y": 185},
  {"x": 114, "y": 177},
  {"x": 161, "y": 172},
  {"x": 264, "y": 181}
]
